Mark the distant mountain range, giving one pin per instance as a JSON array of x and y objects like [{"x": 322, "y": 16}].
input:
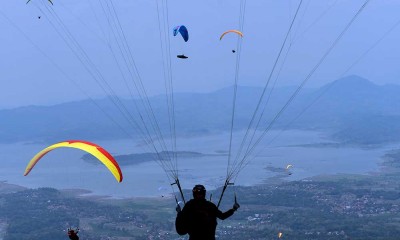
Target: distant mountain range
[{"x": 351, "y": 109}]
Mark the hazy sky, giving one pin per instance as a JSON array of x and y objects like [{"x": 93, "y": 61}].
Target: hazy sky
[{"x": 37, "y": 66}]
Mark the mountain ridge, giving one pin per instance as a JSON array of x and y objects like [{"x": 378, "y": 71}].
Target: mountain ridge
[{"x": 351, "y": 102}]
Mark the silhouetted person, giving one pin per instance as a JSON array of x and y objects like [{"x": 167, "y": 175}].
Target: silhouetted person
[
  {"x": 73, "y": 234},
  {"x": 198, "y": 218}
]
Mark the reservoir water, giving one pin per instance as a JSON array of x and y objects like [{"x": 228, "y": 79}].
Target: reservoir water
[{"x": 64, "y": 168}]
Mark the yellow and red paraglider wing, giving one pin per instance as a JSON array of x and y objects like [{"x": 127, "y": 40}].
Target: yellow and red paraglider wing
[
  {"x": 100, "y": 153},
  {"x": 231, "y": 31}
]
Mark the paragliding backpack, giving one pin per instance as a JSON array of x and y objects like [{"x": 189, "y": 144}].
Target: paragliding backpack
[{"x": 180, "y": 224}]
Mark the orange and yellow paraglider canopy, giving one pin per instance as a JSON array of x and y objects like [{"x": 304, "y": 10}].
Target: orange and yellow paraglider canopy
[{"x": 231, "y": 31}]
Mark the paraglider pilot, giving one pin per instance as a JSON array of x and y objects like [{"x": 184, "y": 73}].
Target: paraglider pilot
[
  {"x": 198, "y": 218},
  {"x": 73, "y": 234}
]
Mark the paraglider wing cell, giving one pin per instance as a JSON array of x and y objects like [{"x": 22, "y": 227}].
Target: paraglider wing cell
[
  {"x": 176, "y": 30},
  {"x": 183, "y": 31},
  {"x": 101, "y": 154}
]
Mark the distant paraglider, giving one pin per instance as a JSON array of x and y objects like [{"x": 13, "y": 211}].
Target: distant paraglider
[
  {"x": 231, "y": 31},
  {"x": 163, "y": 191},
  {"x": 289, "y": 166},
  {"x": 182, "y": 30},
  {"x": 101, "y": 154},
  {"x": 48, "y": 0}
]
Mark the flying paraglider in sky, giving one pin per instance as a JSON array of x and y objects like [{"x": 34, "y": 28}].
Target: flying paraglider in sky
[
  {"x": 289, "y": 166},
  {"x": 163, "y": 191},
  {"x": 95, "y": 150},
  {"x": 48, "y": 0},
  {"x": 239, "y": 33},
  {"x": 185, "y": 35}
]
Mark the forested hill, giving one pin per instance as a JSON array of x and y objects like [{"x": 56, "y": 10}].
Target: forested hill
[{"x": 351, "y": 109}]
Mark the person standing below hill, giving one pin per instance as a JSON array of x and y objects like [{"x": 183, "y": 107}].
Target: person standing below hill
[{"x": 198, "y": 218}]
